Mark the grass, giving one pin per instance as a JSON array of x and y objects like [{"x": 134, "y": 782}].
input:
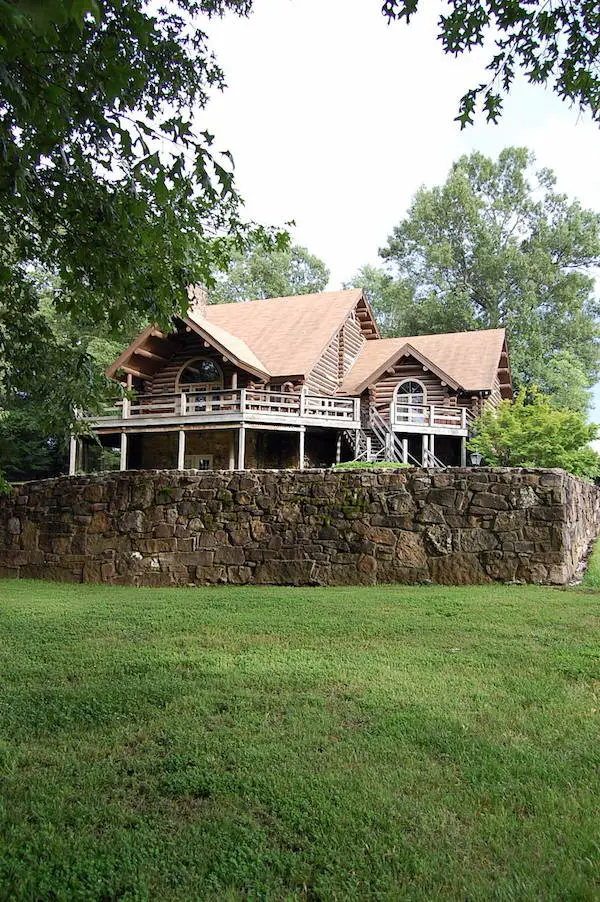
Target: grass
[
  {"x": 591, "y": 578},
  {"x": 324, "y": 744}
]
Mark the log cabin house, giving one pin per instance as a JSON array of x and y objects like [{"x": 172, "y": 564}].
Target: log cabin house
[{"x": 294, "y": 382}]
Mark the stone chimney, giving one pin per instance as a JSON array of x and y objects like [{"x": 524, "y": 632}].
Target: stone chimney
[{"x": 198, "y": 297}]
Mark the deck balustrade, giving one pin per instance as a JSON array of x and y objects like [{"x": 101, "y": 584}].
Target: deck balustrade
[
  {"x": 236, "y": 403},
  {"x": 417, "y": 416},
  {"x": 239, "y": 404}
]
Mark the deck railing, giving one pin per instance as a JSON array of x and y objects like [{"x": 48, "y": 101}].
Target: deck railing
[
  {"x": 242, "y": 401},
  {"x": 429, "y": 415}
]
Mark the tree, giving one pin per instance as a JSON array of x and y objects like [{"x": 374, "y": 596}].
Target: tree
[
  {"x": 256, "y": 273},
  {"x": 556, "y": 44},
  {"x": 37, "y": 396},
  {"x": 102, "y": 179},
  {"x": 103, "y": 182},
  {"x": 387, "y": 296},
  {"x": 532, "y": 433},
  {"x": 497, "y": 246}
]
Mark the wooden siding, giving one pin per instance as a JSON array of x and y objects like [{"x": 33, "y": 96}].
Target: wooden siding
[
  {"x": 496, "y": 395},
  {"x": 324, "y": 378},
  {"x": 366, "y": 321},
  {"x": 382, "y": 392},
  {"x": 338, "y": 357},
  {"x": 353, "y": 340},
  {"x": 191, "y": 346}
]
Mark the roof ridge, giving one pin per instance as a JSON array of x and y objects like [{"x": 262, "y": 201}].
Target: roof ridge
[{"x": 286, "y": 297}]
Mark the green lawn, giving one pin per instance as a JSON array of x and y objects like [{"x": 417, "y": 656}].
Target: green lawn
[
  {"x": 591, "y": 578},
  {"x": 324, "y": 744}
]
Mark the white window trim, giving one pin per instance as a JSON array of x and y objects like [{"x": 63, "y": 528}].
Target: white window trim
[
  {"x": 416, "y": 382},
  {"x": 416, "y": 415}
]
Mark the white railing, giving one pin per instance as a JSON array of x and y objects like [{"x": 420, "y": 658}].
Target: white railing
[
  {"x": 270, "y": 402},
  {"x": 241, "y": 401},
  {"x": 179, "y": 404},
  {"x": 333, "y": 408},
  {"x": 428, "y": 415}
]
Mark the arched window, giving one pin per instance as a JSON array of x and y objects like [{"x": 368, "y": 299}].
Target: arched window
[
  {"x": 411, "y": 392},
  {"x": 410, "y": 399},
  {"x": 200, "y": 374}
]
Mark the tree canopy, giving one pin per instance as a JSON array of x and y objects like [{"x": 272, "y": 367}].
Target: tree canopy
[
  {"x": 105, "y": 187},
  {"x": 258, "y": 273},
  {"x": 102, "y": 178},
  {"x": 553, "y": 44},
  {"x": 532, "y": 433},
  {"x": 496, "y": 245}
]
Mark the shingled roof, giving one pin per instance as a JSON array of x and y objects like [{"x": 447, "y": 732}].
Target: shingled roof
[
  {"x": 288, "y": 335},
  {"x": 270, "y": 337},
  {"x": 285, "y": 337},
  {"x": 236, "y": 349},
  {"x": 469, "y": 359}
]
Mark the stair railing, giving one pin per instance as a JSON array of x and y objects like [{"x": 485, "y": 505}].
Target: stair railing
[{"x": 386, "y": 435}]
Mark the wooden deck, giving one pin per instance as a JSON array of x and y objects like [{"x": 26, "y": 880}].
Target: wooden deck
[
  {"x": 428, "y": 419},
  {"x": 229, "y": 406}
]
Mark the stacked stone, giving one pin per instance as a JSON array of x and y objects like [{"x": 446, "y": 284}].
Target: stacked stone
[{"x": 316, "y": 527}]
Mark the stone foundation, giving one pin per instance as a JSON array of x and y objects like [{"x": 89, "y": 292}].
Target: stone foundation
[{"x": 317, "y": 527}]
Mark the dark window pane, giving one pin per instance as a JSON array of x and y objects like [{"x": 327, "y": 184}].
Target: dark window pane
[{"x": 200, "y": 371}]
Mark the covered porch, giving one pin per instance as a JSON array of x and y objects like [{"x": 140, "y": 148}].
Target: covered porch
[{"x": 205, "y": 447}]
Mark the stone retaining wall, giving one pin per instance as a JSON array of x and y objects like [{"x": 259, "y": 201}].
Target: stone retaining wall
[{"x": 161, "y": 528}]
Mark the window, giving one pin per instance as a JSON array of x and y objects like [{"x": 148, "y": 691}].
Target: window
[
  {"x": 410, "y": 400},
  {"x": 199, "y": 374},
  {"x": 411, "y": 392},
  {"x": 195, "y": 379},
  {"x": 198, "y": 462}
]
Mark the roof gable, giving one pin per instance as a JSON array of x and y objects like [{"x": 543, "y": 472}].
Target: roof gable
[
  {"x": 468, "y": 360},
  {"x": 229, "y": 345},
  {"x": 405, "y": 350},
  {"x": 289, "y": 335},
  {"x": 286, "y": 337}
]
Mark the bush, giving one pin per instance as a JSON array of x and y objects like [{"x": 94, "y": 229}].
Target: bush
[{"x": 532, "y": 433}]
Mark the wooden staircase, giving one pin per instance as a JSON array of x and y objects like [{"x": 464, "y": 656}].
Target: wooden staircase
[{"x": 378, "y": 442}]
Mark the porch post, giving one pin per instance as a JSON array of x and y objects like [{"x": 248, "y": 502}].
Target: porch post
[
  {"x": 425, "y": 455},
  {"x": 463, "y": 452},
  {"x": 123, "y": 461},
  {"x": 356, "y": 441},
  {"x": 303, "y": 400},
  {"x": 338, "y": 448},
  {"x": 432, "y": 448},
  {"x": 73, "y": 455},
  {"x": 301, "y": 448},
  {"x": 232, "y": 451},
  {"x": 241, "y": 446},
  {"x": 405, "y": 450},
  {"x": 181, "y": 450}
]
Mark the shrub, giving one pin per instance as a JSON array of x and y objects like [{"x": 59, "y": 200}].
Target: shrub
[{"x": 530, "y": 432}]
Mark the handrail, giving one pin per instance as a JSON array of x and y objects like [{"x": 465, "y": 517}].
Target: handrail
[
  {"x": 277, "y": 404},
  {"x": 387, "y": 437},
  {"x": 429, "y": 415}
]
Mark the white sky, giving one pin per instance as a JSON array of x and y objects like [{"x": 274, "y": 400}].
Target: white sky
[{"x": 335, "y": 119}]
